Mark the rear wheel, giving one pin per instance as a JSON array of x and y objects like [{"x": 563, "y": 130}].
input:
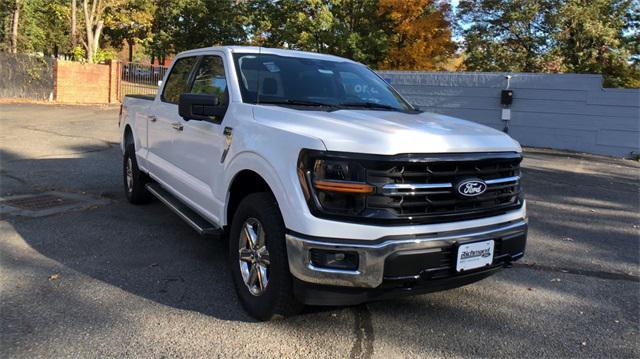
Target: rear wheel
[
  {"x": 134, "y": 179},
  {"x": 258, "y": 259}
]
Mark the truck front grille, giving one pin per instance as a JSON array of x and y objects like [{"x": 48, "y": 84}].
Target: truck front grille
[{"x": 423, "y": 189}]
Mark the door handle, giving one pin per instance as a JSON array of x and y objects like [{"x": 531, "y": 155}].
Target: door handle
[
  {"x": 153, "y": 119},
  {"x": 177, "y": 126}
]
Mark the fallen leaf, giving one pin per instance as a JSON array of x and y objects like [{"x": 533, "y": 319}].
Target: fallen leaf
[
  {"x": 529, "y": 288},
  {"x": 54, "y": 277}
]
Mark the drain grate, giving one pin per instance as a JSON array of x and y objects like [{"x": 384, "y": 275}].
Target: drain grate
[{"x": 39, "y": 202}]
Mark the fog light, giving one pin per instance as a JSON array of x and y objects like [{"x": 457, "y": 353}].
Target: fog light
[{"x": 334, "y": 259}]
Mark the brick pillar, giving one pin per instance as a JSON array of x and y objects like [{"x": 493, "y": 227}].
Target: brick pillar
[
  {"x": 114, "y": 81},
  {"x": 55, "y": 79}
]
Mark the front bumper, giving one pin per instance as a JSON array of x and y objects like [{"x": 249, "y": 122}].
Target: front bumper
[{"x": 405, "y": 259}]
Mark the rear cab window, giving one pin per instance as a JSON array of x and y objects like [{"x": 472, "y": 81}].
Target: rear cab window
[{"x": 178, "y": 80}]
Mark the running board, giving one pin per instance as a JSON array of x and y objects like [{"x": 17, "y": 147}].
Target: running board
[{"x": 201, "y": 225}]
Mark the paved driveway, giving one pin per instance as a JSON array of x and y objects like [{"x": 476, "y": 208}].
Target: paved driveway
[{"x": 109, "y": 279}]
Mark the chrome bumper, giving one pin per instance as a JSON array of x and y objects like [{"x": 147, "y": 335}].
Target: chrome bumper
[{"x": 372, "y": 256}]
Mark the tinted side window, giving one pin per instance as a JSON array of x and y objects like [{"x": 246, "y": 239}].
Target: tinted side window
[
  {"x": 210, "y": 79},
  {"x": 178, "y": 80}
]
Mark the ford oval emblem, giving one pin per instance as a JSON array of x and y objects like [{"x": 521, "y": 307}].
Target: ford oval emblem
[{"x": 472, "y": 187}]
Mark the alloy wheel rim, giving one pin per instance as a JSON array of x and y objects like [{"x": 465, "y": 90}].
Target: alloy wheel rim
[
  {"x": 129, "y": 175},
  {"x": 254, "y": 257}
]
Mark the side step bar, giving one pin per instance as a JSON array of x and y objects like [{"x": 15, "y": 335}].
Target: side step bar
[{"x": 201, "y": 225}]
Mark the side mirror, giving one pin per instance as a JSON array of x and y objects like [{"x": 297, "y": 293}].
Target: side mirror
[{"x": 200, "y": 107}]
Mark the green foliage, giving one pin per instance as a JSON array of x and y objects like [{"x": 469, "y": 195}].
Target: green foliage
[
  {"x": 131, "y": 22},
  {"x": 79, "y": 54},
  {"x": 43, "y": 26},
  {"x": 104, "y": 55},
  {"x": 580, "y": 36},
  {"x": 349, "y": 28}
]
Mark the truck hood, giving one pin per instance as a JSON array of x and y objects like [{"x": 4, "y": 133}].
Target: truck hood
[{"x": 387, "y": 132}]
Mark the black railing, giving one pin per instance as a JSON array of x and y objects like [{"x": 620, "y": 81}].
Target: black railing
[{"x": 140, "y": 79}]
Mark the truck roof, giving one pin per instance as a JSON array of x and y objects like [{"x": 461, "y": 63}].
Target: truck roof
[{"x": 266, "y": 50}]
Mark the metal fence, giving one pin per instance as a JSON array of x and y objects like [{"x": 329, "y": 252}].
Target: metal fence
[{"x": 140, "y": 79}]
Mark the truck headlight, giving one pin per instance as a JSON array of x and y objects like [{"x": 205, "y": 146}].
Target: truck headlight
[{"x": 332, "y": 183}]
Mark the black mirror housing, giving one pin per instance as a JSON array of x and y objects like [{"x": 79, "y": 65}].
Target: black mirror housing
[{"x": 202, "y": 107}]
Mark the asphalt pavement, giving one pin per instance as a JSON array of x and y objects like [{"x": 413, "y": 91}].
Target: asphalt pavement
[{"x": 108, "y": 279}]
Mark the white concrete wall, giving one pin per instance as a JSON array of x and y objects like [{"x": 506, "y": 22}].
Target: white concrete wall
[{"x": 562, "y": 111}]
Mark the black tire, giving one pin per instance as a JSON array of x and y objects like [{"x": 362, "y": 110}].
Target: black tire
[
  {"x": 277, "y": 297},
  {"x": 135, "y": 191}
]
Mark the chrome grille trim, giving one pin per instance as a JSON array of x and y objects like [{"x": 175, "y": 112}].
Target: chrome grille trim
[
  {"x": 415, "y": 189},
  {"x": 502, "y": 180}
]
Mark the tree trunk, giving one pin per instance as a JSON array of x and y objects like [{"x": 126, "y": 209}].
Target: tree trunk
[
  {"x": 88, "y": 24},
  {"x": 74, "y": 36},
  {"x": 131, "y": 43},
  {"x": 93, "y": 26},
  {"x": 14, "y": 27}
]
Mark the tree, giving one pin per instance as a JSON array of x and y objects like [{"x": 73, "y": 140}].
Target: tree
[
  {"x": 94, "y": 20},
  {"x": 14, "y": 26},
  {"x": 578, "y": 36},
  {"x": 74, "y": 21},
  {"x": 509, "y": 35},
  {"x": 420, "y": 34},
  {"x": 180, "y": 25},
  {"x": 592, "y": 38},
  {"x": 349, "y": 28},
  {"x": 93, "y": 11},
  {"x": 131, "y": 22}
]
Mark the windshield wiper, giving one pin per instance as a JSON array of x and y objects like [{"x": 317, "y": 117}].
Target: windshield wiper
[
  {"x": 296, "y": 103},
  {"x": 370, "y": 105}
]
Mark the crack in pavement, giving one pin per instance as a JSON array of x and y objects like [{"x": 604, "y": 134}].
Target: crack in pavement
[
  {"x": 582, "y": 272},
  {"x": 363, "y": 330},
  {"x": 15, "y": 178},
  {"x": 108, "y": 143}
]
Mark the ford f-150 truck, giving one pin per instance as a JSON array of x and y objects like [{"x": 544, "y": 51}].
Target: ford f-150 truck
[{"x": 330, "y": 188}]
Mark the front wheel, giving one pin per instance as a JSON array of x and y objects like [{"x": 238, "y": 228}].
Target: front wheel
[{"x": 258, "y": 259}]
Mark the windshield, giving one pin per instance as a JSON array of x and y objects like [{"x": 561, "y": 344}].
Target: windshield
[{"x": 295, "y": 81}]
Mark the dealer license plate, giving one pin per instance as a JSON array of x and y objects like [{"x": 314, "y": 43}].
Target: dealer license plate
[{"x": 474, "y": 255}]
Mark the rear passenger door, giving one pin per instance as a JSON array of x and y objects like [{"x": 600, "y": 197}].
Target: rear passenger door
[
  {"x": 165, "y": 122},
  {"x": 199, "y": 146}
]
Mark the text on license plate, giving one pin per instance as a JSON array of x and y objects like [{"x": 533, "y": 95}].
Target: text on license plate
[{"x": 474, "y": 255}]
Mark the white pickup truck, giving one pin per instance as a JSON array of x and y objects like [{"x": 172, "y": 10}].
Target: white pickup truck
[{"x": 330, "y": 187}]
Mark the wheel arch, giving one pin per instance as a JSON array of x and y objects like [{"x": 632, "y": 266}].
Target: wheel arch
[
  {"x": 243, "y": 183},
  {"x": 248, "y": 172}
]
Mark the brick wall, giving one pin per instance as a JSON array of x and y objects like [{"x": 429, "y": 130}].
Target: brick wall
[{"x": 86, "y": 83}]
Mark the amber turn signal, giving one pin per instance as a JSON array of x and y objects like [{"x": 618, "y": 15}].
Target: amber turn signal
[{"x": 340, "y": 186}]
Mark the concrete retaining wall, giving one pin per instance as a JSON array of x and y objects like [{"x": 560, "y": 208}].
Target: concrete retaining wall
[{"x": 563, "y": 111}]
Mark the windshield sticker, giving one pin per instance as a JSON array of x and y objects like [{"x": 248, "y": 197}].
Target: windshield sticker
[{"x": 271, "y": 67}]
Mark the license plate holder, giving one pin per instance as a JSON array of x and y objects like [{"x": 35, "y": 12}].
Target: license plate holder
[{"x": 474, "y": 255}]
